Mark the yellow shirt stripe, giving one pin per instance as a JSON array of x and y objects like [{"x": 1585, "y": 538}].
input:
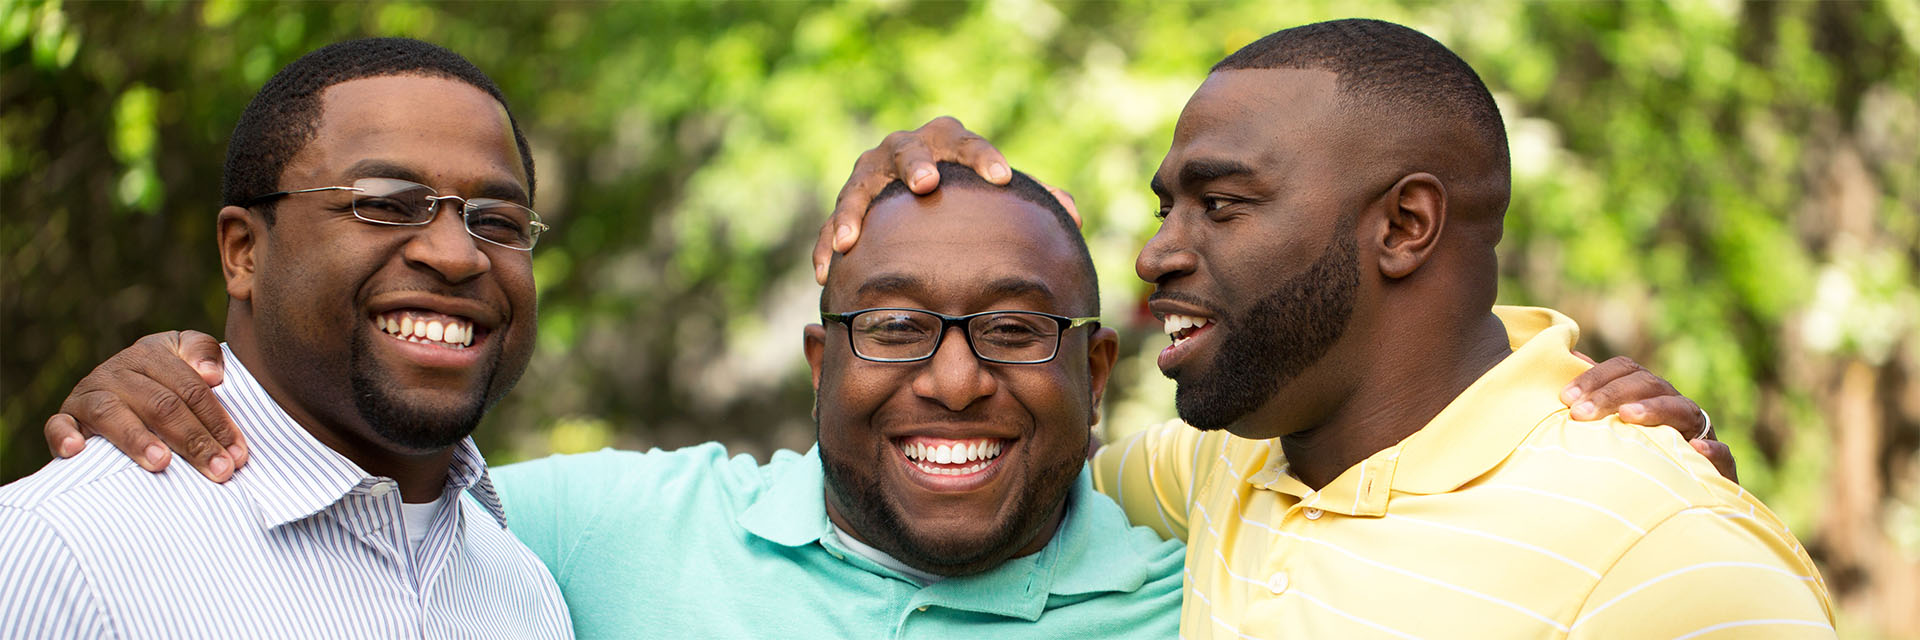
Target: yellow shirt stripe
[{"x": 1500, "y": 518}]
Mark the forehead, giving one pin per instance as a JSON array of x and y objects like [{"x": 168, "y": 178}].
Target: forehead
[
  {"x": 444, "y": 133},
  {"x": 1257, "y": 118},
  {"x": 960, "y": 250}
]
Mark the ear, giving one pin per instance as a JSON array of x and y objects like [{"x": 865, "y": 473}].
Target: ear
[
  {"x": 1103, "y": 349},
  {"x": 238, "y": 232},
  {"x": 1416, "y": 214},
  {"x": 815, "y": 337}
]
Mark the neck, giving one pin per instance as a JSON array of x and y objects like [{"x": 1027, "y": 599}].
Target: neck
[
  {"x": 422, "y": 476},
  {"x": 1396, "y": 397}
]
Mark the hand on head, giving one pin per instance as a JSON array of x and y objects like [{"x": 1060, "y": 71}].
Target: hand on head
[{"x": 909, "y": 156}]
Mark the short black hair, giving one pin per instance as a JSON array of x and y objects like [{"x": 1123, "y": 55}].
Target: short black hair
[
  {"x": 959, "y": 176},
  {"x": 284, "y": 116},
  {"x": 1386, "y": 64}
]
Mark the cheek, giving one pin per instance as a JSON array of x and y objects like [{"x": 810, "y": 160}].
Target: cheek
[
  {"x": 849, "y": 395},
  {"x": 1059, "y": 400}
]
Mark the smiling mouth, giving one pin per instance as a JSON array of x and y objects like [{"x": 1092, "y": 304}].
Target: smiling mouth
[
  {"x": 1182, "y": 327},
  {"x": 945, "y": 457},
  {"x": 429, "y": 328}
]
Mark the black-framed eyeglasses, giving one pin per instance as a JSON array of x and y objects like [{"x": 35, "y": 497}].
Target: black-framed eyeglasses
[
  {"x": 898, "y": 334},
  {"x": 395, "y": 202}
]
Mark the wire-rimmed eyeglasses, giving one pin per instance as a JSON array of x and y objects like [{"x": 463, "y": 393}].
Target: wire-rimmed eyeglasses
[
  {"x": 395, "y": 202},
  {"x": 898, "y": 334}
]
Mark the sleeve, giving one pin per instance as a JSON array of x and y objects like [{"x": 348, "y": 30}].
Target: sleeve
[
  {"x": 1710, "y": 573},
  {"x": 44, "y": 592},
  {"x": 1152, "y": 474}
]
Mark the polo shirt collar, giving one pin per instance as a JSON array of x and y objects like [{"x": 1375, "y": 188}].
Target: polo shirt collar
[
  {"x": 1474, "y": 433},
  {"x": 291, "y": 476},
  {"x": 1082, "y": 557},
  {"x": 792, "y": 512}
]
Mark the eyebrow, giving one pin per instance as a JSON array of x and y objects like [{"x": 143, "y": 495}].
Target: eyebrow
[
  {"x": 1208, "y": 170},
  {"x": 496, "y": 189}
]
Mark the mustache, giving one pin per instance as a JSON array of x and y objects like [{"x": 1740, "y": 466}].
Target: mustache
[
  {"x": 974, "y": 414},
  {"x": 1182, "y": 298}
]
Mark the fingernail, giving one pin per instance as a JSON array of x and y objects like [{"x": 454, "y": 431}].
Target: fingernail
[
  {"x": 156, "y": 454},
  {"x": 237, "y": 452},
  {"x": 1570, "y": 394},
  {"x": 220, "y": 466},
  {"x": 820, "y": 273},
  {"x": 843, "y": 234},
  {"x": 997, "y": 172},
  {"x": 1631, "y": 408},
  {"x": 920, "y": 177},
  {"x": 1585, "y": 410},
  {"x": 70, "y": 447}
]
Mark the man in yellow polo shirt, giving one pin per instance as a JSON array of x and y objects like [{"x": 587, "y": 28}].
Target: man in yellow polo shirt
[
  {"x": 1380, "y": 452},
  {"x": 1372, "y": 458}
]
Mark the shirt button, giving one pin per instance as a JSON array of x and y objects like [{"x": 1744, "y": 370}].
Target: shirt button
[
  {"x": 1278, "y": 583},
  {"x": 380, "y": 489},
  {"x": 1313, "y": 514}
]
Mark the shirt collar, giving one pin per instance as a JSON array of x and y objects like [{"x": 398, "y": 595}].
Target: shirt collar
[
  {"x": 1475, "y": 432},
  {"x": 1086, "y": 554},
  {"x": 291, "y": 476}
]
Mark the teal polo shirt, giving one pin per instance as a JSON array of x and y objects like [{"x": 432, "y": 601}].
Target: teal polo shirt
[{"x": 693, "y": 544}]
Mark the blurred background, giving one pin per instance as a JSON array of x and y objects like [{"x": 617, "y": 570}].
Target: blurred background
[{"x": 1727, "y": 192}]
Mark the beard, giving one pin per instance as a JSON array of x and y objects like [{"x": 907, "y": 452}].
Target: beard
[
  {"x": 408, "y": 424},
  {"x": 1275, "y": 340},
  {"x": 879, "y": 523}
]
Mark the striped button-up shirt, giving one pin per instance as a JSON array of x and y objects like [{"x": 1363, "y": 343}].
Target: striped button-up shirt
[
  {"x": 1501, "y": 518},
  {"x": 300, "y": 543}
]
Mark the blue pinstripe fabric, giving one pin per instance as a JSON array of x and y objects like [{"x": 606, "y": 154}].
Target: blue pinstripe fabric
[{"x": 301, "y": 543}]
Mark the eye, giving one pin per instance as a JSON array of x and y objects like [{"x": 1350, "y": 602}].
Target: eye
[
  {"x": 1212, "y": 204},
  {"x": 386, "y": 209},
  {"x": 894, "y": 329},
  {"x": 1013, "y": 330}
]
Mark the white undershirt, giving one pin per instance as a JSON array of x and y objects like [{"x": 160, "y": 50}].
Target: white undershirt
[
  {"x": 881, "y": 558},
  {"x": 419, "y": 517}
]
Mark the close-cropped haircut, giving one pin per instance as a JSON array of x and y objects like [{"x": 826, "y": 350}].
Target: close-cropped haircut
[
  {"x": 1021, "y": 186},
  {"x": 1387, "y": 65},
  {"x": 285, "y": 115}
]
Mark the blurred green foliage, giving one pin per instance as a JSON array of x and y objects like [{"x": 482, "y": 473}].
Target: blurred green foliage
[{"x": 1727, "y": 192}]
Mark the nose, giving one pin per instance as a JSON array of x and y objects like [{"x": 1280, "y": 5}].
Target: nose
[
  {"x": 445, "y": 247},
  {"x": 1167, "y": 255},
  {"x": 953, "y": 377}
]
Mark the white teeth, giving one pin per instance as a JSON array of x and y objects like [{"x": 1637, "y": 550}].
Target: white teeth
[
  {"x": 449, "y": 333},
  {"x": 1174, "y": 323},
  {"x": 979, "y": 451},
  {"x": 938, "y": 471}
]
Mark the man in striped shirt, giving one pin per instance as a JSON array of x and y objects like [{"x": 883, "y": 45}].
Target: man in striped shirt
[
  {"x": 367, "y": 335},
  {"x": 1379, "y": 452}
]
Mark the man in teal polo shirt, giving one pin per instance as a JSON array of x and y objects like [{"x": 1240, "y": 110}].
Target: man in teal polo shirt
[{"x": 956, "y": 500}]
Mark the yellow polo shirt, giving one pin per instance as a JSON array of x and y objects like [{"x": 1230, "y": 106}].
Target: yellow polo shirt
[{"x": 1501, "y": 518}]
